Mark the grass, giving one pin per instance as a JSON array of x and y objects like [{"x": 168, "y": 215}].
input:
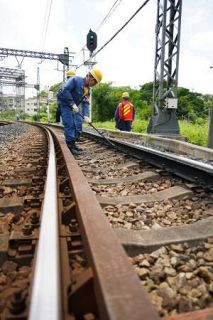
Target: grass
[
  {"x": 195, "y": 133},
  {"x": 138, "y": 125}
]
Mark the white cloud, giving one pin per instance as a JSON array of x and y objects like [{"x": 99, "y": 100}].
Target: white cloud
[
  {"x": 195, "y": 72},
  {"x": 201, "y": 42}
]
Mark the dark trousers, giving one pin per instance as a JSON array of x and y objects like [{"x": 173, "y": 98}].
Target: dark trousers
[
  {"x": 58, "y": 114},
  {"x": 124, "y": 125}
]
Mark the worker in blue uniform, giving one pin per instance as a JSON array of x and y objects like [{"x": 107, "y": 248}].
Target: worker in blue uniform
[{"x": 75, "y": 92}]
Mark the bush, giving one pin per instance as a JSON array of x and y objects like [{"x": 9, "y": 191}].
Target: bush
[
  {"x": 196, "y": 133},
  {"x": 139, "y": 126},
  {"x": 200, "y": 121}
]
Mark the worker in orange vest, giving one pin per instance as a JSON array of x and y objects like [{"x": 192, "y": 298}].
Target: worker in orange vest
[{"x": 124, "y": 113}]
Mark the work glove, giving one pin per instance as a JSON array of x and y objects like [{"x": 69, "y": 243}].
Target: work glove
[
  {"x": 75, "y": 108},
  {"x": 87, "y": 119}
]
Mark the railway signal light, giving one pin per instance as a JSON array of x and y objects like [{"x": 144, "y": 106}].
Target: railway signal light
[{"x": 91, "y": 41}]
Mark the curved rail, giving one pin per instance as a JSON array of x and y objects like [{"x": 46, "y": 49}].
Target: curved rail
[{"x": 46, "y": 290}]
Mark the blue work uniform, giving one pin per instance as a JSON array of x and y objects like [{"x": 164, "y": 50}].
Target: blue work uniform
[
  {"x": 84, "y": 109},
  {"x": 72, "y": 93}
]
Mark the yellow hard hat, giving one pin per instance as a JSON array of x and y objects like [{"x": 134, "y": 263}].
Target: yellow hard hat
[
  {"x": 97, "y": 74},
  {"x": 125, "y": 95},
  {"x": 70, "y": 73}
]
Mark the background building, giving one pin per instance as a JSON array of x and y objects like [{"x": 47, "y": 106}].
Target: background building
[{"x": 11, "y": 102}]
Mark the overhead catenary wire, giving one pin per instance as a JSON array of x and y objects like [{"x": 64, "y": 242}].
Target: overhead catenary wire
[
  {"x": 119, "y": 30},
  {"x": 112, "y": 9},
  {"x": 47, "y": 18},
  {"x": 44, "y": 24}
]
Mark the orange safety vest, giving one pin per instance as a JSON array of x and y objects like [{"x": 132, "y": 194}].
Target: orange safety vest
[{"x": 125, "y": 111}]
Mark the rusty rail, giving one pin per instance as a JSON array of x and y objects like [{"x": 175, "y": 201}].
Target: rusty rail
[
  {"x": 206, "y": 314},
  {"x": 118, "y": 291}
]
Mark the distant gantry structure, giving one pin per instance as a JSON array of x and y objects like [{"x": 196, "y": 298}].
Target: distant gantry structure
[
  {"x": 16, "y": 77},
  {"x": 64, "y": 58}
]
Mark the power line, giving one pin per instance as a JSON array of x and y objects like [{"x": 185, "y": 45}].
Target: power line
[
  {"x": 47, "y": 24},
  {"x": 44, "y": 24},
  {"x": 125, "y": 24},
  {"x": 113, "y": 8}
]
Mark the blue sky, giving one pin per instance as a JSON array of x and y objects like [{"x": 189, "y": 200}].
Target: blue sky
[{"x": 127, "y": 60}]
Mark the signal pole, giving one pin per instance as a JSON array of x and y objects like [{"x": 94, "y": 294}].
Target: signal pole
[{"x": 91, "y": 46}]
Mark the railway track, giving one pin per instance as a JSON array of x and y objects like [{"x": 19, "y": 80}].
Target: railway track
[
  {"x": 91, "y": 281},
  {"x": 153, "y": 211},
  {"x": 162, "y": 220}
]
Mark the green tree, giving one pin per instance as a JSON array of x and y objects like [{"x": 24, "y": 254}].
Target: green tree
[
  {"x": 106, "y": 99},
  {"x": 102, "y": 106},
  {"x": 191, "y": 104},
  {"x": 23, "y": 115},
  {"x": 55, "y": 88},
  {"x": 9, "y": 114},
  {"x": 146, "y": 92},
  {"x": 43, "y": 94},
  {"x": 53, "y": 107}
]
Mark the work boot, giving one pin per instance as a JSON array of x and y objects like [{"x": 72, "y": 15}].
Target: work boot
[
  {"x": 72, "y": 147},
  {"x": 77, "y": 148},
  {"x": 79, "y": 139}
]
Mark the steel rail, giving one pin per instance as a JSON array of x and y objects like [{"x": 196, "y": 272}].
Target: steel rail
[
  {"x": 46, "y": 290},
  {"x": 118, "y": 291},
  {"x": 191, "y": 170},
  {"x": 203, "y": 314}
]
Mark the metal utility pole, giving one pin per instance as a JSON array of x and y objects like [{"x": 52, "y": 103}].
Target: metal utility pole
[
  {"x": 49, "y": 100},
  {"x": 38, "y": 93},
  {"x": 164, "y": 120},
  {"x": 65, "y": 67}
]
